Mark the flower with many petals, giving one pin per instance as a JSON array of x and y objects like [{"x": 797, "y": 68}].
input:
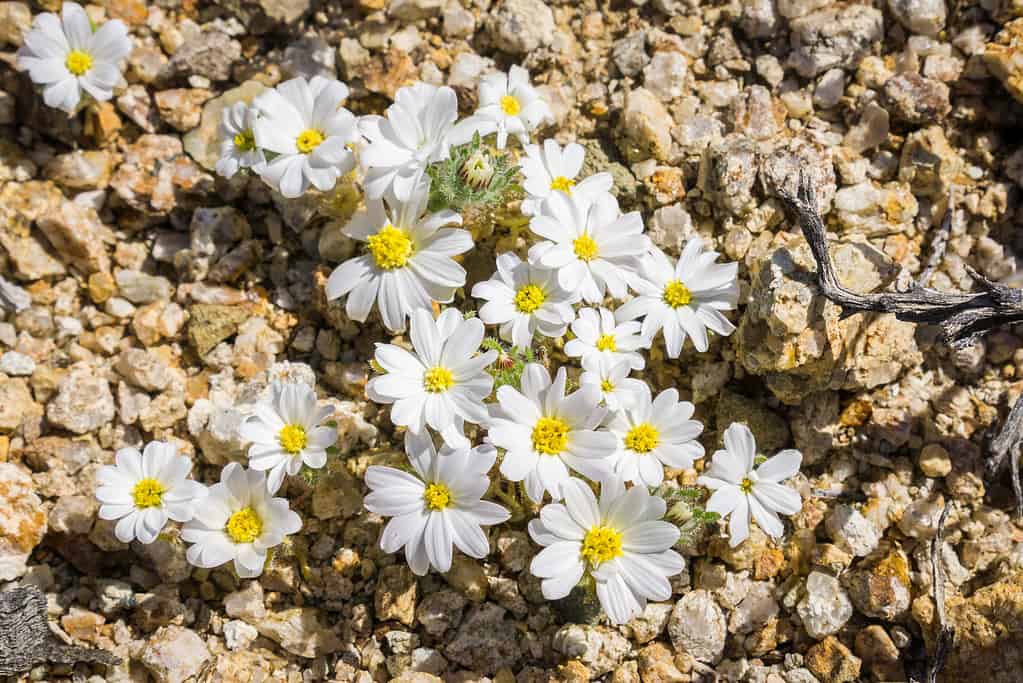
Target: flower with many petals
[
  {"x": 238, "y": 148},
  {"x": 610, "y": 376},
  {"x": 597, "y": 334},
  {"x": 554, "y": 168},
  {"x": 509, "y": 105}
]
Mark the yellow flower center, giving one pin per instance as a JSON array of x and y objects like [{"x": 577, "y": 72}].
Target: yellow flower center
[
  {"x": 550, "y": 435},
  {"x": 601, "y": 543},
  {"x": 391, "y": 247},
  {"x": 436, "y": 380},
  {"x": 563, "y": 184},
  {"x": 606, "y": 342},
  {"x": 585, "y": 247},
  {"x": 244, "y": 526},
  {"x": 510, "y": 105},
  {"x": 677, "y": 294},
  {"x": 308, "y": 140},
  {"x": 78, "y": 62},
  {"x": 293, "y": 438},
  {"x": 245, "y": 141},
  {"x": 642, "y": 438},
  {"x": 437, "y": 496},
  {"x": 148, "y": 493},
  {"x": 746, "y": 486},
  {"x": 529, "y": 298},
  {"x": 606, "y": 386}
]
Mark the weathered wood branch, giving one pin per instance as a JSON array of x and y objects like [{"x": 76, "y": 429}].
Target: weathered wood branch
[
  {"x": 1004, "y": 450},
  {"x": 935, "y": 660}
]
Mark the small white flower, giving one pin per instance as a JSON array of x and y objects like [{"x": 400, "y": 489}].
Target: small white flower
[
  {"x": 443, "y": 384},
  {"x": 239, "y": 522},
  {"x": 594, "y": 248},
  {"x": 684, "y": 300},
  {"x": 554, "y": 169},
  {"x": 303, "y": 123},
  {"x": 620, "y": 541},
  {"x": 65, "y": 56},
  {"x": 524, "y": 299},
  {"x": 610, "y": 376},
  {"x": 146, "y": 489},
  {"x": 438, "y": 506},
  {"x": 653, "y": 434},
  {"x": 509, "y": 105},
  {"x": 286, "y": 432},
  {"x": 598, "y": 334},
  {"x": 238, "y": 148},
  {"x": 412, "y": 135},
  {"x": 744, "y": 492},
  {"x": 409, "y": 262},
  {"x": 546, "y": 433}
]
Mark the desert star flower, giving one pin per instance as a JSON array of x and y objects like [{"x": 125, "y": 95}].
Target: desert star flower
[
  {"x": 547, "y": 433},
  {"x": 591, "y": 245},
  {"x": 443, "y": 383},
  {"x": 684, "y": 300},
  {"x": 620, "y": 541},
  {"x": 437, "y": 506},
  {"x": 303, "y": 123},
  {"x": 65, "y": 56},
  {"x": 743, "y": 492},
  {"x": 611, "y": 378},
  {"x": 239, "y": 523},
  {"x": 143, "y": 490},
  {"x": 598, "y": 334},
  {"x": 554, "y": 168},
  {"x": 408, "y": 263},
  {"x": 524, "y": 299},
  {"x": 238, "y": 148},
  {"x": 286, "y": 431},
  {"x": 509, "y": 105}
]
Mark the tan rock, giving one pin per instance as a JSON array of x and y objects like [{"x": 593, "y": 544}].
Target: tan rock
[
  {"x": 832, "y": 662},
  {"x": 467, "y": 577},
  {"x": 1004, "y": 57},
  {"x": 16, "y": 403},
  {"x": 395, "y": 597},
  {"x": 81, "y": 169},
  {"x": 23, "y": 522},
  {"x": 300, "y": 631},
  {"x": 645, "y": 128},
  {"x": 78, "y": 236},
  {"x": 15, "y": 21},
  {"x": 180, "y": 107}
]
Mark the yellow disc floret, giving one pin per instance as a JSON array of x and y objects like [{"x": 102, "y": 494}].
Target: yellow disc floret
[
  {"x": 390, "y": 247},
  {"x": 437, "y": 496},
  {"x": 677, "y": 294},
  {"x": 529, "y": 298},
  {"x": 148, "y": 493},
  {"x": 601, "y": 543},
  {"x": 308, "y": 140},
  {"x": 606, "y": 386},
  {"x": 606, "y": 342},
  {"x": 245, "y": 141},
  {"x": 642, "y": 438},
  {"x": 78, "y": 62},
  {"x": 746, "y": 486},
  {"x": 510, "y": 105},
  {"x": 563, "y": 184},
  {"x": 585, "y": 247},
  {"x": 436, "y": 380},
  {"x": 244, "y": 526},
  {"x": 293, "y": 438},
  {"x": 550, "y": 435}
]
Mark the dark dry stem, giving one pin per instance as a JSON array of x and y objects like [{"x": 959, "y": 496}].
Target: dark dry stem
[
  {"x": 1004, "y": 450},
  {"x": 935, "y": 661},
  {"x": 940, "y": 242}
]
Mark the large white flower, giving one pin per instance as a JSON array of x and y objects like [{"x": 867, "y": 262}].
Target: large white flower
[
  {"x": 509, "y": 105},
  {"x": 553, "y": 168},
  {"x": 436, "y": 507},
  {"x": 65, "y": 56},
  {"x": 597, "y": 334},
  {"x": 303, "y": 123},
  {"x": 546, "y": 433},
  {"x": 443, "y": 383},
  {"x": 684, "y": 300},
  {"x": 238, "y": 522},
  {"x": 743, "y": 492},
  {"x": 524, "y": 299},
  {"x": 144, "y": 490},
  {"x": 610, "y": 376},
  {"x": 620, "y": 541},
  {"x": 652, "y": 434},
  {"x": 408, "y": 263},
  {"x": 286, "y": 431},
  {"x": 589, "y": 242},
  {"x": 238, "y": 148},
  {"x": 412, "y": 135}
]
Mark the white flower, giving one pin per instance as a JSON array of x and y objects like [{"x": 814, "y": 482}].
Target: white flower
[
  {"x": 553, "y": 169},
  {"x": 620, "y": 541},
  {"x": 443, "y": 383},
  {"x": 610, "y": 376},
  {"x": 742, "y": 492},
  {"x": 409, "y": 261},
  {"x": 304, "y": 124},
  {"x": 438, "y": 506},
  {"x": 65, "y": 56},
  {"x": 508, "y": 105},
  {"x": 546, "y": 433},
  {"x": 286, "y": 432},
  {"x": 413, "y": 135},
  {"x": 589, "y": 242},
  {"x": 684, "y": 300},
  {"x": 146, "y": 489},
  {"x": 238, "y": 141},
  {"x": 238, "y": 522},
  {"x": 597, "y": 334},
  {"x": 524, "y": 299},
  {"x": 653, "y": 434}
]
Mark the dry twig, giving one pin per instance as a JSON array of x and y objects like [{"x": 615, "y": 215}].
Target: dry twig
[{"x": 935, "y": 660}]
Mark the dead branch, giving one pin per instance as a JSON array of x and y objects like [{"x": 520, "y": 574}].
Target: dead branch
[
  {"x": 1005, "y": 449},
  {"x": 946, "y": 634},
  {"x": 939, "y": 245}
]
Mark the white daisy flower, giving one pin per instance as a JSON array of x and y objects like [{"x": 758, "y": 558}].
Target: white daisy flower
[
  {"x": 412, "y": 135},
  {"x": 743, "y": 492},
  {"x": 524, "y": 299},
  {"x": 508, "y": 105},
  {"x": 65, "y": 56},
  {"x": 303, "y": 123},
  {"x": 589, "y": 242},
  {"x": 546, "y": 433},
  {"x": 436, "y": 506},
  {"x": 443, "y": 383},
  {"x": 620, "y": 541},
  {"x": 408, "y": 263},
  {"x": 286, "y": 431},
  {"x": 610, "y": 377},
  {"x": 684, "y": 300},
  {"x": 554, "y": 168},
  {"x": 238, "y": 148},
  {"x": 653, "y": 434},
  {"x": 239, "y": 522},
  {"x": 597, "y": 333}
]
